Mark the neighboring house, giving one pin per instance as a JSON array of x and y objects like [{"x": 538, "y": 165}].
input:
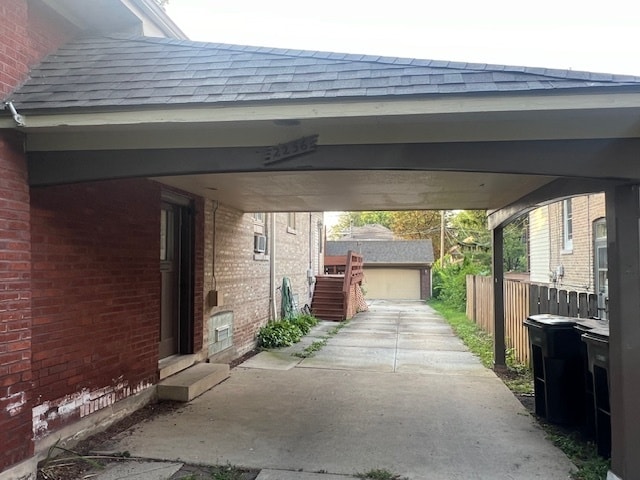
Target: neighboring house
[
  {"x": 108, "y": 286},
  {"x": 393, "y": 269},
  {"x": 568, "y": 245}
]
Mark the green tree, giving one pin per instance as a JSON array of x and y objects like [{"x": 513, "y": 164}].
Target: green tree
[{"x": 357, "y": 219}]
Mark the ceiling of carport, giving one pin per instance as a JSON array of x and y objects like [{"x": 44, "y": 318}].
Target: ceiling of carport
[{"x": 359, "y": 190}]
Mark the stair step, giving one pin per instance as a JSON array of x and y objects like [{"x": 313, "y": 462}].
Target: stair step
[
  {"x": 327, "y": 307},
  {"x": 331, "y": 318},
  {"x": 192, "y": 382}
]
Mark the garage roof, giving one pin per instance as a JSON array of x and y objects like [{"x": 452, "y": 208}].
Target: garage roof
[{"x": 386, "y": 252}]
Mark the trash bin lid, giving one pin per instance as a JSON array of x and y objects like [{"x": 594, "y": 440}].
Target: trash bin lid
[
  {"x": 549, "y": 320},
  {"x": 600, "y": 334},
  {"x": 588, "y": 324}
]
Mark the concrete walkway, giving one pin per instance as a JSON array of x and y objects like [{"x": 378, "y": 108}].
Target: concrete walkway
[{"x": 394, "y": 389}]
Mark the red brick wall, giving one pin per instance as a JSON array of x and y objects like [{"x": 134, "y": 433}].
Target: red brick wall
[
  {"x": 15, "y": 305},
  {"x": 28, "y": 32},
  {"x": 96, "y": 296}
]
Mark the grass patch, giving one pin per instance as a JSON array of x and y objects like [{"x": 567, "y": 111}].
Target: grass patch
[
  {"x": 519, "y": 379},
  {"x": 479, "y": 342},
  {"x": 583, "y": 454},
  {"x": 311, "y": 349},
  {"x": 318, "y": 344},
  {"x": 379, "y": 474}
]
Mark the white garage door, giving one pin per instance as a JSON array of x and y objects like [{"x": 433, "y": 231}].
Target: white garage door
[{"x": 392, "y": 283}]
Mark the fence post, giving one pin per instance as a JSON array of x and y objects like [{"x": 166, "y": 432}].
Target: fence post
[
  {"x": 573, "y": 304},
  {"x": 534, "y": 295}
]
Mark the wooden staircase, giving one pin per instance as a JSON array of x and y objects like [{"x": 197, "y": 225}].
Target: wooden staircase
[{"x": 328, "y": 298}]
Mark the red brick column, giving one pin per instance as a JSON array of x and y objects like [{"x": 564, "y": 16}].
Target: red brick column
[{"x": 15, "y": 305}]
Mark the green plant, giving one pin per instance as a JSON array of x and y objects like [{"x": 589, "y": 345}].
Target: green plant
[
  {"x": 311, "y": 349},
  {"x": 380, "y": 474},
  {"x": 227, "y": 472},
  {"x": 283, "y": 333},
  {"x": 304, "y": 322},
  {"x": 278, "y": 334},
  {"x": 450, "y": 281},
  {"x": 583, "y": 454}
]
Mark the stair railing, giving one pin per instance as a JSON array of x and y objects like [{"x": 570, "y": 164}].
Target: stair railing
[{"x": 353, "y": 274}]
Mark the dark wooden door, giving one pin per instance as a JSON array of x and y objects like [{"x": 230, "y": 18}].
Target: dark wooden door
[{"x": 170, "y": 274}]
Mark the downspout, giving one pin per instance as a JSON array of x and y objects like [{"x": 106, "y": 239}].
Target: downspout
[
  {"x": 272, "y": 266},
  {"x": 19, "y": 119},
  {"x": 310, "y": 271}
]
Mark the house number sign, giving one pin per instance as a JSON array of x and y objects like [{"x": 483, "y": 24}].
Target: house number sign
[{"x": 290, "y": 149}]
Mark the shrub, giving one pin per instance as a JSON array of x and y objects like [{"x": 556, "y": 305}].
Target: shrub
[
  {"x": 450, "y": 284},
  {"x": 304, "y": 322},
  {"x": 283, "y": 333}
]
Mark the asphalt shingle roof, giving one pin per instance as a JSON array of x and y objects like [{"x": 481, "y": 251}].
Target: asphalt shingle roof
[
  {"x": 389, "y": 252},
  {"x": 131, "y": 72}
]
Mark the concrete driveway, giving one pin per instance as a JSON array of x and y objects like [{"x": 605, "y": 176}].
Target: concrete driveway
[{"x": 394, "y": 389}]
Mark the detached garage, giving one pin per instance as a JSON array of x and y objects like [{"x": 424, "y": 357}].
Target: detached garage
[{"x": 393, "y": 269}]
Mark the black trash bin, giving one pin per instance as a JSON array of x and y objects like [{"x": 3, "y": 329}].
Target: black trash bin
[
  {"x": 589, "y": 427},
  {"x": 597, "y": 341},
  {"x": 557, "y": 368}
]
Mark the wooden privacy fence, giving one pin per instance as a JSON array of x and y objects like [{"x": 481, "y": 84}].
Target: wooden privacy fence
[
  {"x": 562, "y": 302},
  {"x": 522, "y": 299},
  {"x": 516, "y": 309}
]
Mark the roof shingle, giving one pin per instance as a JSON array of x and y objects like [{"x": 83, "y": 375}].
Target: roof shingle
[{"x": 128, "y": 72}]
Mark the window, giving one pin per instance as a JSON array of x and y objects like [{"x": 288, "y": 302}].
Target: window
[
  {"x": 291, "y": 222},
  {"x": 567, "y": 225},
  {"x": 601, "y": 280},
  {"x": 260, "y": 237}
]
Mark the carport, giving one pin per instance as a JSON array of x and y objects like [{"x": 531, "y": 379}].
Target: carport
[{"x": 272, "y": 130}]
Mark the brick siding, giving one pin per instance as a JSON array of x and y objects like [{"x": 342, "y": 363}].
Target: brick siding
[
  {"x": 15, "y": 304},
  {"x": 577, "y": 262},
  {"x": 96, "y": 296},
  {"x": 28, "y": 32},
  {"x": 242, "y": 277}
]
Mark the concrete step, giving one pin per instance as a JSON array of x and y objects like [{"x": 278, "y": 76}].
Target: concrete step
[
  {"x": 174, "y": 364},
  {"x": 194, "y": 381}
]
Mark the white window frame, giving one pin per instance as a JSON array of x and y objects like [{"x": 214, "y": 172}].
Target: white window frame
[
  {"x": 291, "y": 222},
  {"x": 567, "y": 225}
]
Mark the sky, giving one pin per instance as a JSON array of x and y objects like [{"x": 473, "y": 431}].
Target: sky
[{"x": 602, "y": 36}]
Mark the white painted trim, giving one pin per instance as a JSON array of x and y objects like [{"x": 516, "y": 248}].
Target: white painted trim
[
  {"x": 233, "y": 112},
  {"x": 612, "y": 476},
  {"x": 94, "y": 423}
]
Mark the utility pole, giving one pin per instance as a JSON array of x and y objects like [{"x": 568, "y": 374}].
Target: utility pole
[{"x": 441, "y": 237}]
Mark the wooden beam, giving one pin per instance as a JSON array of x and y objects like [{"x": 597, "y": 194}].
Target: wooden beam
[
  {"x": 623, "y": 249},
  {"x": 500, "y": 350},
  {"x": 568, "y": 158},
  {"x": 551, "y": 192}
]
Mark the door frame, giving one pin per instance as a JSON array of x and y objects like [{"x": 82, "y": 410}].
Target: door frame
[{"x": 185, "y": 219}]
